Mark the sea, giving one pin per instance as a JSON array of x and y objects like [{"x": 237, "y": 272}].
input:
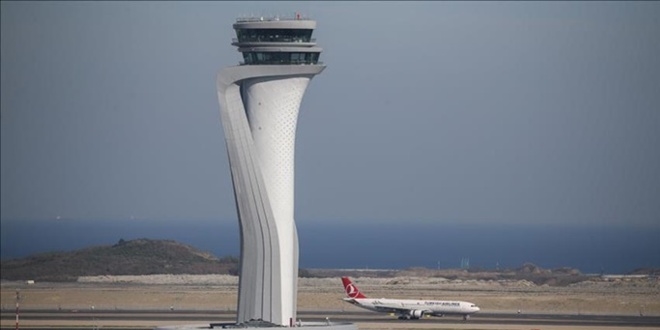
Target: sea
[{"x": 371, "y": 245}]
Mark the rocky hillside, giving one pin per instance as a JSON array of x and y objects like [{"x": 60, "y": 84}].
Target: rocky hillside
[
  {"x": 134, "y": 257},
  {"x": 527, "y": 272}
]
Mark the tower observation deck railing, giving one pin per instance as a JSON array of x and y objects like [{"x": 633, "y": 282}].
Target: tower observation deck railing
[
  {"x": 296, "y": 17},
  {"x": 280, "y": 39}
]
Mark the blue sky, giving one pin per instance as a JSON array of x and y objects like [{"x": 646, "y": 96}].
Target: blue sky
[{"x": 470, "y": 112}]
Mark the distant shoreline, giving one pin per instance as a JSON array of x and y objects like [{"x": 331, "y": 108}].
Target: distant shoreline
[{"x": 610, "y": 250}]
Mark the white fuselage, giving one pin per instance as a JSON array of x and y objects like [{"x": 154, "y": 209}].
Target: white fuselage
[{"x": 415, "y": 308}]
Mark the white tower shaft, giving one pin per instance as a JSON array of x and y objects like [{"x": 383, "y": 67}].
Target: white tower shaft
[{"x": 259, "y": 107}]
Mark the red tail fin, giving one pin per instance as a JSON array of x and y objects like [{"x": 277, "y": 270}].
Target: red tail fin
[{"x": 351, "y": 290}]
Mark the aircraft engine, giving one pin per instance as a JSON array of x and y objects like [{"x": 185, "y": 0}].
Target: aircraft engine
[{"x": 415, "y": 314}]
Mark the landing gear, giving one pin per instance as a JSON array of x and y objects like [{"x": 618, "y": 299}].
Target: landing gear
[
  {"x": 407, "y": 317},
  {"x": 466, "y": 317}
]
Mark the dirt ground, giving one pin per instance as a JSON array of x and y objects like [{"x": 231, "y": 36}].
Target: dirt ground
[{"x": 219, "y": 292}]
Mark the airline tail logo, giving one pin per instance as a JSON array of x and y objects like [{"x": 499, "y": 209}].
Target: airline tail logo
[{"x": 351, "y": 290}]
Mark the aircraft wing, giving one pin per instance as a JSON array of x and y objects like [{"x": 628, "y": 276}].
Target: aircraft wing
[
  {"x": 380, "y": 307},
  {"x": 400, "y": 310}
]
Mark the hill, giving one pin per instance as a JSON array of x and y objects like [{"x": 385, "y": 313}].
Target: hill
[
  {"x": 527, "y": 272},
  {"x": 134, "y": 257}
]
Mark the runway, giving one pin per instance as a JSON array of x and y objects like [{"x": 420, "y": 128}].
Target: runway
[{"x": 142, "y": 319}]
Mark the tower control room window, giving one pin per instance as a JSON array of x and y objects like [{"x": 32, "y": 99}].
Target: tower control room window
[
  {"x": 297, "y": 58},
  {"x": 274, "y": 35},
  {"x": 280, "y": 58}
]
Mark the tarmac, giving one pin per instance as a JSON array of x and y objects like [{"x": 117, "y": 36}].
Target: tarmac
[{"x": 150, "y": 319}]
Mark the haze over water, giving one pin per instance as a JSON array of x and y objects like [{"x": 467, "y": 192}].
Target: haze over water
[{"x": 385, "y": 246}]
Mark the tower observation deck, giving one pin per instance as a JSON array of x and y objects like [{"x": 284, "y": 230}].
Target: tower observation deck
[
  {"x": 276, "y": 41},
  {"x": 259, "y": 105}
]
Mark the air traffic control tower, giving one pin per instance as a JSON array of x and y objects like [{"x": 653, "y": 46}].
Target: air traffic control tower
[{"x": 259, "y": 103}]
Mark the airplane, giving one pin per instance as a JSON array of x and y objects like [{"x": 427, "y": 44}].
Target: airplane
[{"x": 408, "y": 309}]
